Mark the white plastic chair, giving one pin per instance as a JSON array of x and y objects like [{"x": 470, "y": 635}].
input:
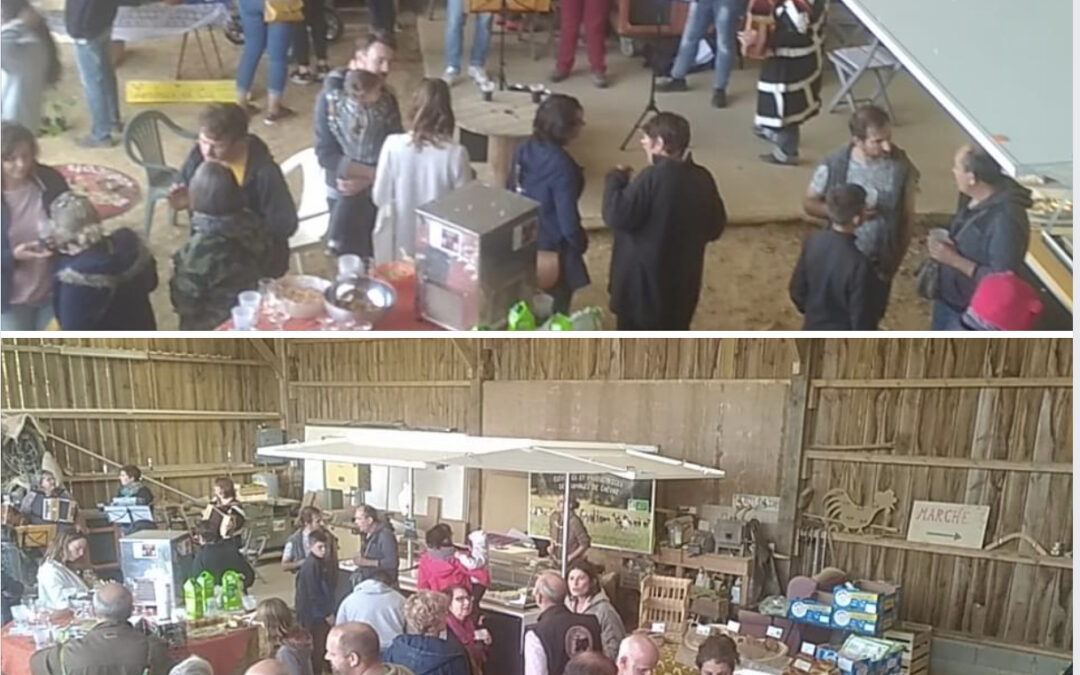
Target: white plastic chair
[{"x": 313, "y": 214}]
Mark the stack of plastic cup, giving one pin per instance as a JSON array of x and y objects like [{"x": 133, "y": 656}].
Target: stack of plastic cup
[{"x": 243, "y": 317}]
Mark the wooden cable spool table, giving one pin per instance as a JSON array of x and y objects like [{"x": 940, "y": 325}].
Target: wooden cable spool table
[{"x": 505, "y": 121}]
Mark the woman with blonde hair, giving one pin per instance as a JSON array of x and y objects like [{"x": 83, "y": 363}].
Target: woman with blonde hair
[
  {"x": 421, "y": 650},
  {"x": 60, "y": 576},
  {"x": 291, "y": 644},
  {"x": 417, "y": 167}
]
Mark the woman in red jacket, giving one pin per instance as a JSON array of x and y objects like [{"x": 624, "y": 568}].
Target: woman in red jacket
[{"x": 439, "y": 568}]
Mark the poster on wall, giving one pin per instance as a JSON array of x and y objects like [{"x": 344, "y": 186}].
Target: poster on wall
[{"x": 618, "y": 513}]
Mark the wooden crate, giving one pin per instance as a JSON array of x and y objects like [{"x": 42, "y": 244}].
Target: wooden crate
[
  {"x": 916, "y": 640},
  {"x": 665, "y": 600}
]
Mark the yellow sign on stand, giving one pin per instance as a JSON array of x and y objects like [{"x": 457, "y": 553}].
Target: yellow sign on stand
[
  {"x": 342, "y": 476},
  {"x": 181, "y": 91}
]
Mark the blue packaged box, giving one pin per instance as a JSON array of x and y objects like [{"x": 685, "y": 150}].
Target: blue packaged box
[
  {"x": 866, "y": 597},
  {"x": 863, "y": 624},
  {"x": 816, "y": 610},
  {"x": 826, "y": 653}
]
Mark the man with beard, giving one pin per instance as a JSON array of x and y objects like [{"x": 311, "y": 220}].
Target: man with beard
[
  {"x": 374, "y": 53},
  {"x": 872, "y": 161}
]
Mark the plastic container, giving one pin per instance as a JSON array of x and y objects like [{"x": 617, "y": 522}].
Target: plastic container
[
  {"x": 194, "y": 600},
  {"x": 232, "y": 591}
]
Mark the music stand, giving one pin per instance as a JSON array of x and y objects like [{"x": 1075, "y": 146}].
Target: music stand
[
  {"x": 651, "y": 60},
  {"x": 128, "y": 514}
]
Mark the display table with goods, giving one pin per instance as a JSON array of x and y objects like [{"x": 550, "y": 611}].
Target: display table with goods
[
  {"x": 385, "y": 300},
  {"x": 227, "y": 641}
]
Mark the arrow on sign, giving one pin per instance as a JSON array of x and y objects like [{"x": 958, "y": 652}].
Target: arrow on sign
[{"x": 954, "y": 536}]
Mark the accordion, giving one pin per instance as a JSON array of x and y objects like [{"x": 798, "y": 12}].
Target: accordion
[{"x": 512, "y": 6}]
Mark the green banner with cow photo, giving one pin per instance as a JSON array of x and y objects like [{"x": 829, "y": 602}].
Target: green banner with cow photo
[{"x": 618, "y": 513}]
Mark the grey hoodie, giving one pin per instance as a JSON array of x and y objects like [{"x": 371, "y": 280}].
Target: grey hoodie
[
  {"x": 376, "y": 604},
  {"x": 25, "y": 60},
  {"x": 612, "y": 630}
]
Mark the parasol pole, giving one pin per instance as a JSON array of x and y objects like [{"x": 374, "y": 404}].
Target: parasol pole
[{"x": 565, "y": 523}]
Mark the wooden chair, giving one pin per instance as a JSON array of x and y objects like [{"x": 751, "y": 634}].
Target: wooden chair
[{"x": 665, "y": 600}]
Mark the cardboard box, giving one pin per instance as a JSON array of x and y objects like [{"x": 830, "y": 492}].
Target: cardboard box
[
  {"x": 861, "y": 623},
  {"x": 816, "y": 610},
  {"x": 826, "y": 653},
  {"x": 867, "y": 597},
  {"x": 887, "y": 666}
]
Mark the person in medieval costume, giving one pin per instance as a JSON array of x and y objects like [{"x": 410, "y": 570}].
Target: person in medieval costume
[{"x": 789, "y": 87}]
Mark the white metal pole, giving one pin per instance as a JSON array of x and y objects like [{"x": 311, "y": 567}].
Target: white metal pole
[
  {"x": 565, "y": 523},
  {"x": 411, "y": 514}
]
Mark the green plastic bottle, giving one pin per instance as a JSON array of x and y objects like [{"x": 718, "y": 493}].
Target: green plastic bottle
[
  {"x": 194, "y": 600},
  {"x": 521, "y": 317},
  {"x": 232, "y": 590}
]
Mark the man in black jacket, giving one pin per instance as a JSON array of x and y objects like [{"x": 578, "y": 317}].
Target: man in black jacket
[
  {"x": 224, "y": 138},
  {"x": 834, "y": 284},
  {"x": 662, "y": 220},
  {"x": 217, "y": 556}
]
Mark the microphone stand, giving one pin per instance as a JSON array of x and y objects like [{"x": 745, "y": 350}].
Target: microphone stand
[{"x": 650, "y": 106}]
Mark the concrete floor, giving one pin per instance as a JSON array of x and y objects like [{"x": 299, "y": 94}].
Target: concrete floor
[{"x": 754, "y": 192}]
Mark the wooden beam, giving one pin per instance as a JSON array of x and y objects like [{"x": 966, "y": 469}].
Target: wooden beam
[
  {"x": 285, "y": 399},
  {"x": 129, "y": 354},
  {"x": 467, "y": 350},
  {"x": 1065, "y": 468},
  {"x": 267, "y": 354},
  {"x": 143, "y": 414},
  {"x": 949, "y": 383},
  {"x": 172, "y": 471},
  {"x": 420, "y": 384},
  {"x": 852, "y": 448},
  {"x": 997, "y": 556},
  {"x": 103, "y": 458},
  {"x": 1063, "y": 653},
  {"x": 791, "y": 451}
]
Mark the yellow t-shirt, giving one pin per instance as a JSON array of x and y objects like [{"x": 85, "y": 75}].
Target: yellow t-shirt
[{"x": 238, "y": 171}]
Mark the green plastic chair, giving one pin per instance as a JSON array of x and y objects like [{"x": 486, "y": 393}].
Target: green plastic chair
[{"x": 142, "y": 142}]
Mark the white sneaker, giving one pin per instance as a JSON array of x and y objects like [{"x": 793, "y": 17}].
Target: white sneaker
[
  {"x": 478, "y": 75},
  {"x": 450, "y": 76}
]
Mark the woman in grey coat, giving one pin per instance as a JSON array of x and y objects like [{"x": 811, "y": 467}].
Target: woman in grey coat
[{"x": 586, "y": 597}]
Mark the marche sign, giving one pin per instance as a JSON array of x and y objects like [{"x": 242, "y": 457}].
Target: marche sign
[{"x": 949, "y": 524}]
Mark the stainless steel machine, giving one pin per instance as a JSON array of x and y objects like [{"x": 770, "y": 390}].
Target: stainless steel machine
[
  {"x": 475, "y": 256},
  {"x": 156, "y": 563}
]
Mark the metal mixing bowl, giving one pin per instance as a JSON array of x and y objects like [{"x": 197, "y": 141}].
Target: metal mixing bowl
[{"x": 380, "y": 300}]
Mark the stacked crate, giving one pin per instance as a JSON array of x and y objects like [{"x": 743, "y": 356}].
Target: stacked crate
[{"x": 915, "y": 638}]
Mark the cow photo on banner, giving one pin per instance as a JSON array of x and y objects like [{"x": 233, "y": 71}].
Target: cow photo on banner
[{"x": 617, "y": 512}]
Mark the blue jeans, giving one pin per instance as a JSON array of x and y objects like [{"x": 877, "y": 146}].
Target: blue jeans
[
  {"x": 455, "y": 33},
  {"x": 260, "y": 36},
  {"x": 98, "y": 78},
  {"x": 944, "y": 317},
  {"x": 724, "y": 13},
  {"x": 27, "y": 317}
]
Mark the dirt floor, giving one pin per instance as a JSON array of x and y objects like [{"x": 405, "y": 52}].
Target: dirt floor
[{"x": 747, "y": 270}]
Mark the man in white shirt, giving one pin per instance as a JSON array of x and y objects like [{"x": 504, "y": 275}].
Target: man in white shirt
[
  {"x": 559, "y": 634},
  {"x": 377, "y": 604}
]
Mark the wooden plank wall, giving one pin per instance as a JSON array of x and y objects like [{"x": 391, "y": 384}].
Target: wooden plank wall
[
  {"x": 1002, "y": 601},
  {"x": 224, "y": 381}
]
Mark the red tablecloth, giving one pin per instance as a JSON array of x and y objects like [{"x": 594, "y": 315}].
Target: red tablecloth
[
  {"x": 401, "y": 317},
  {"x": 112, "y": 192},
  {"x": 228, "y": 653}
]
